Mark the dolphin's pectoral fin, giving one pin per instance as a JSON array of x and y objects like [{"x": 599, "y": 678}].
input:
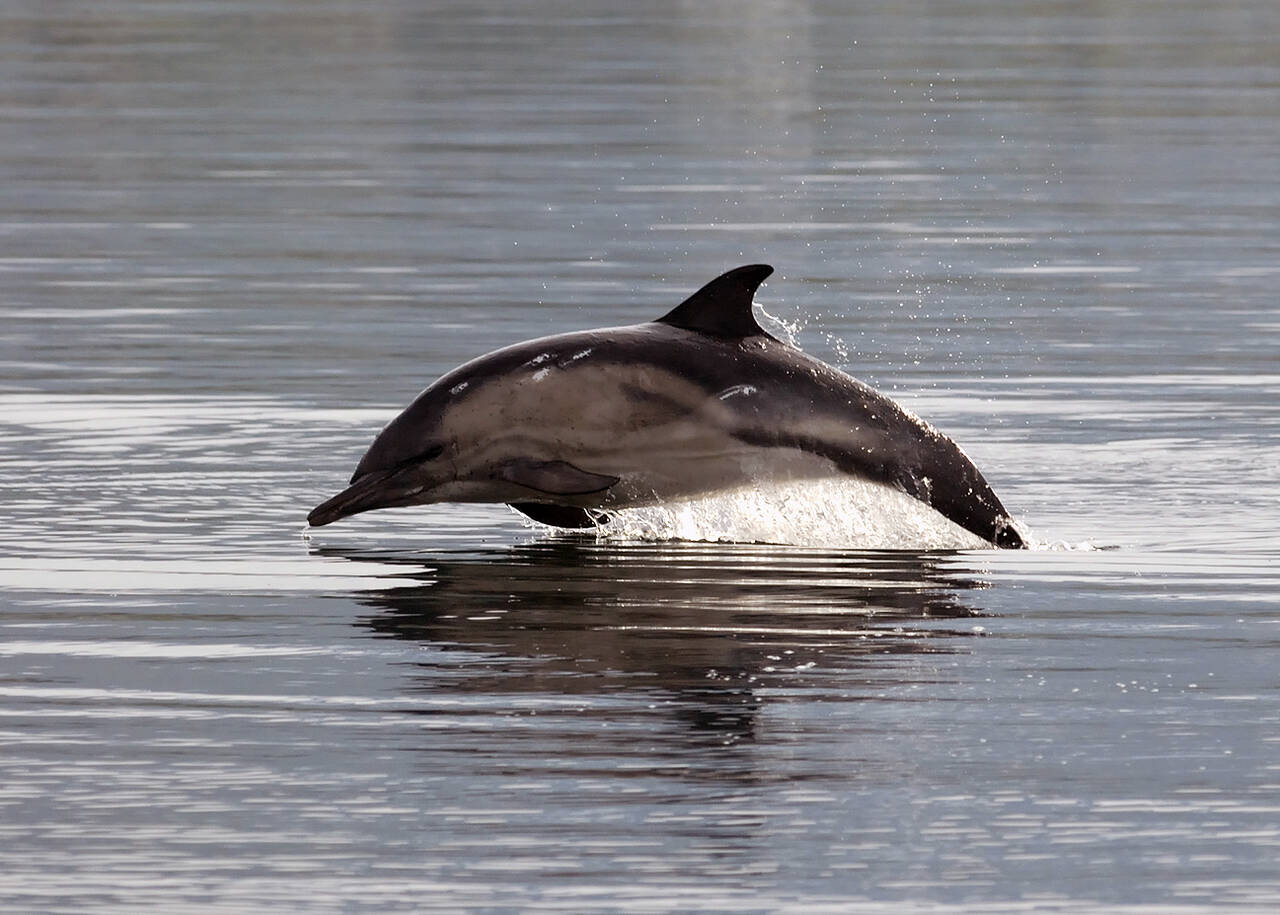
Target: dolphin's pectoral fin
[
  {"x": 569, "y": 516},
  {"x": 722, "y": 308},
  {"x": 556, "y": 478}
]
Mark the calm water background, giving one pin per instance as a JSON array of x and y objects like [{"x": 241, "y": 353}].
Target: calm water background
[{"x": 236, "y": 237}]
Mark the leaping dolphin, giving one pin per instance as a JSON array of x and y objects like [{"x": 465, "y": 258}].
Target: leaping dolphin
[{"x": 699, "y": 401}]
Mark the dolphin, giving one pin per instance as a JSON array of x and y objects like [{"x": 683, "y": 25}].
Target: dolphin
[{"x": 703, "y": 399}]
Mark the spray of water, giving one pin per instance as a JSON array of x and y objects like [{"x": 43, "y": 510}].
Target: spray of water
[{"x": 833, "y": 513}]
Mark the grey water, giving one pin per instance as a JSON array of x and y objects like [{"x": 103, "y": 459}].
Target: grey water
[{"x": 235, "y": 238}]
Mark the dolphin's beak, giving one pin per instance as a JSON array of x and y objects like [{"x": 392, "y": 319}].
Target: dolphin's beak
[{"x": 376, "y": 489}]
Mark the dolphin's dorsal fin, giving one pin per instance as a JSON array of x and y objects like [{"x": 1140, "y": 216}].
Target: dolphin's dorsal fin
[{"x": 722, "y": 308}]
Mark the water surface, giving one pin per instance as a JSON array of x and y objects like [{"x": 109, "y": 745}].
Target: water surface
[{"x": 235, "y": 239}]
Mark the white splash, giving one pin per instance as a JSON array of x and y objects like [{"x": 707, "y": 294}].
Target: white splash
[
  {"x": 833, "y": 513},
  {"x": 786, "y": 331},
  {"x": 1061, "y": 546}
]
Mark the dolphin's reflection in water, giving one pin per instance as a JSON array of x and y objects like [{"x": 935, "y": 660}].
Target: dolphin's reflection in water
[{"x": 709, "y": 631}]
